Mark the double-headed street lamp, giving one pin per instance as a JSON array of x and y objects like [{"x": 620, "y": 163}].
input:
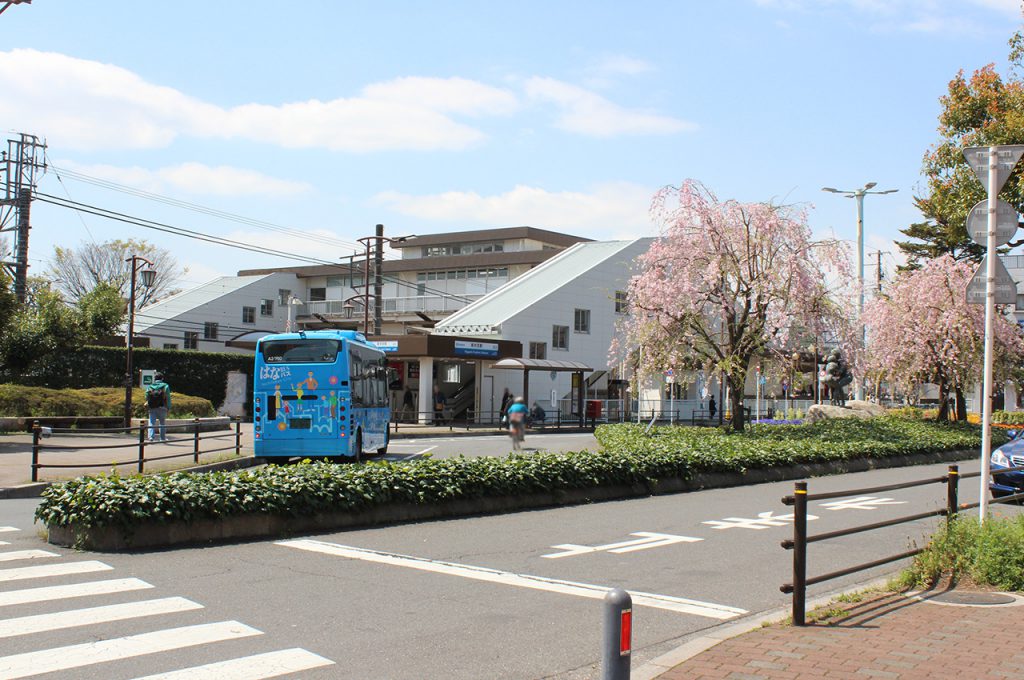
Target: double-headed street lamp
[
  {"x": 148, "y": 276},
  {"x": 859, "y": 194}
]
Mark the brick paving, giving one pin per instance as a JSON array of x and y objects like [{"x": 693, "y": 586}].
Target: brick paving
[{"x": 884, "y": 636}]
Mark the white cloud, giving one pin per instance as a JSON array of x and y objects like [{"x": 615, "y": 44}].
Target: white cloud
[
  {"x": 194, "y": 178},
  {"x": 85, "y": 104},
  {"x": 586, "y": 113},
  {"x": 610, "y": 210}
]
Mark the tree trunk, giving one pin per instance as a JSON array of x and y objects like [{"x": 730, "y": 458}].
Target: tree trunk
[
  {"x": 736, "y": 384},
  {"x": 943, "y": 400},
  {"x": 961, "y": 404}
]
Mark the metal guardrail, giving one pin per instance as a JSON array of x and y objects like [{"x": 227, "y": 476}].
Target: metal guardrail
[
  {"x": 798, "y": 544},
  {"x": 553, "y": 420},
  {"x": 39, "y": 432}
]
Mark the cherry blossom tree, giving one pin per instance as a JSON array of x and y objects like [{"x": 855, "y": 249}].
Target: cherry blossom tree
[
  {"x": 924, "y": 330},
  {"x": 728, "y": 282}
]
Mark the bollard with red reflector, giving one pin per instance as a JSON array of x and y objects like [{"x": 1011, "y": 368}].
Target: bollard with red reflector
[{"x": 618, "y": 635}]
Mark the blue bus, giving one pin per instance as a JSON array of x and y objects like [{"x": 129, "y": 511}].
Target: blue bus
[{"x": 319, "y": 394}]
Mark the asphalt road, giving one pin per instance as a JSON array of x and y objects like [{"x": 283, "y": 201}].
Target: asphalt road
[
  {"x": 487, "y": 445},
  {"x": 503, "y": 596}
]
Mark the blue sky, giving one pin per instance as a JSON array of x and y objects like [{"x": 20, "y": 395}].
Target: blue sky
[{"x": 330, "y": 117}]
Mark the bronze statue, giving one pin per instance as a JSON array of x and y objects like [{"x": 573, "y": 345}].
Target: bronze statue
[{"x": 838, "y": 376}]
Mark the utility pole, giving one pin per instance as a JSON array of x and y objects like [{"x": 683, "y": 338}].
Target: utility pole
[
  {"x": 878, "y": 264},
  {"x": 378, "y": 281},
  {"x": 18, "y": 167}
]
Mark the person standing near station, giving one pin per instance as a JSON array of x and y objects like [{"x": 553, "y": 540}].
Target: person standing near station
[
  {"x": 158, "y": 401},
  {"x": 506, "y": 401},
  {"x": 439, "y": 404},
  {"x": 712, "y": 409}
]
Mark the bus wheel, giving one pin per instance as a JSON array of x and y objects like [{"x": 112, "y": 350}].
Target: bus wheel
[
  {"x": 358, "y": 457},
  {"x": 387, "y": 440}
]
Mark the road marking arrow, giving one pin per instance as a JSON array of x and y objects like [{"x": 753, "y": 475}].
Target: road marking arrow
[{"x": 647, "y": 540}]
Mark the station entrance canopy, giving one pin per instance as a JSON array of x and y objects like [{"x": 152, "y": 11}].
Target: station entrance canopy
[{"x": 527, "y": 365}]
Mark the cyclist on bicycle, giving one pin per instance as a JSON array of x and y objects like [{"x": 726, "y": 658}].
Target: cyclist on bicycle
[{"x": 517, "y": 413}]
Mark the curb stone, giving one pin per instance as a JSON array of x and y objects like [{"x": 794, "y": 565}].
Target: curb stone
[{"x": 708, "y": 639}]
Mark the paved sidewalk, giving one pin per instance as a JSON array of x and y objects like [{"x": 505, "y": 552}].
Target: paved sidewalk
[{"x": 884, "y": 636}]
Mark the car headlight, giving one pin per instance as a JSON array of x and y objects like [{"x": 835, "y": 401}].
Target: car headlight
[{"x": 999, "y": 458}]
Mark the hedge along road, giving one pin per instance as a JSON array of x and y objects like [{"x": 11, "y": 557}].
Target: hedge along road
[{"x": 507, "y": 596}]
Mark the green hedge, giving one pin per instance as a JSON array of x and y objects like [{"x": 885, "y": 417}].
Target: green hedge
[
  {"x": 201, "y": 374},
  {"x": 629, "y": 458},
  {"x": 34, "y": 402},
  {"x": 764, "y": 446},
  {"x": 1008, "y": 417}
]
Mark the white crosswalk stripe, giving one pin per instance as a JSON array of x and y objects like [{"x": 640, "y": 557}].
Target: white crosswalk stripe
[
  {"x": 31, "y": 595},
  {"x": 61, "y": 569},
  {"x": 39, "y": 623},
  {"x": 100, "y": 651},
  {"x": 255, "y": 667},
  {"x": 5, "y": 542},
  {"x": 25, "y": 555},
  {"x": 112, "y": 649},
  {"x": 6, "y": 529}
]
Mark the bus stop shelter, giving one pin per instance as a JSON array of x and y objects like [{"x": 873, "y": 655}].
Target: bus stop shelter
[{"x": 527, "y": 365}]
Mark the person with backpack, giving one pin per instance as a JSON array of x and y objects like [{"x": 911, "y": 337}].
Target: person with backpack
[{"x": 158, "y": 400}]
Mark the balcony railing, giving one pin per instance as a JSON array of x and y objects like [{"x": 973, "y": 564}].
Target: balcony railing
[{"x": 392, "y": 305}]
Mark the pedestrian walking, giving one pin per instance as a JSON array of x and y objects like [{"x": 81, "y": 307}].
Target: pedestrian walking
[
  {"x": 408, "y": 404},
  {"x": 439, "y": 404},
  {"x": 712, "y": 408},
  {"x": 506, "y": 401},
  {"x": 158, "y": 401},
  {"x": 517, "y": 413}
]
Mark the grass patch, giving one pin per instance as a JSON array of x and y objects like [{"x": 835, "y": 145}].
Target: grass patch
[
  {"x": 989, "y": 554},
  {"x": 33, "y": 402}
]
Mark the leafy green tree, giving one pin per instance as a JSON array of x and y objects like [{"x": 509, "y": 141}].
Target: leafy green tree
[
  {"x": 982, "y": 110},
  {"x": 47, "y": 324}
]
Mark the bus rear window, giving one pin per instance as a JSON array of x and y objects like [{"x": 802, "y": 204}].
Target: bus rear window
[{"x": 311, "y": 351}]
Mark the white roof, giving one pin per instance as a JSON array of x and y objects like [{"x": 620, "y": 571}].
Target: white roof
[
  {"x": 483, "y": 315},
  {"x": 186, "y": 301}
]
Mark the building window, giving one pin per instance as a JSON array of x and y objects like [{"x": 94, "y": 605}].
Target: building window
[
  {"x": 620, "y": 302},
  {"x": 559, "y": 337},
  {"x": 316, "y": 294},
  {"x": 248, "y": 315},
  {"x": 581, "y": 322},
  {"x": 538, "y": 350},
  {"x": 191, "y": 340},
  {"x": 170, "y": 345},
  {"x": 283, "y": 294},
  {"x": 210, "y": 330},
  {"x": 267, "y": 308},
  {"x": 336, "y": 281}
]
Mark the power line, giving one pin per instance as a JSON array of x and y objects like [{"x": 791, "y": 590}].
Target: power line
[
  {"x": 213, "y": 212},
  {"x": 218, "y": 240}
]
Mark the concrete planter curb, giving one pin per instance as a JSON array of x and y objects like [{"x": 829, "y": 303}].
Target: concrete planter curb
[{"x": 244, "y": 527}]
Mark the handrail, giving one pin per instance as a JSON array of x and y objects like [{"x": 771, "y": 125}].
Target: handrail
[
  {"x": 788, "y": 500},
  {"x": 798, "y": 544},
  {"x": 196, "y": 436}
]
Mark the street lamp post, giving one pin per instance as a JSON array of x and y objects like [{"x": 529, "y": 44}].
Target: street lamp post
[
  {"x": 147, "y": 275},
  {"x": 859, "y": 194}
]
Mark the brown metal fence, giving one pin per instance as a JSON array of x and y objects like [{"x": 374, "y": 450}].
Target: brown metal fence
[
  {"x": 192, "y": 432},
  {"x": 798, "y": 544}
]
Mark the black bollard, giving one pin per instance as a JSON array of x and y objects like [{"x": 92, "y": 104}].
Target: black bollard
[{"x": 618, "y": 635}]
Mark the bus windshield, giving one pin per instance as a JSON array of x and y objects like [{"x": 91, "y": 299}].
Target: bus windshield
[{"x": 310, "y": 351}]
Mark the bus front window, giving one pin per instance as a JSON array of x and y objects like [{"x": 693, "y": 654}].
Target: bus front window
[{"x": 311, "y": 351}]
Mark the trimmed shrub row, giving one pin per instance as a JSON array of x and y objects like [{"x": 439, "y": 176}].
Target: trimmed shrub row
[
  {"x": 202, "y": 374},
  {"x": 34, "y": 402},
  {"x": 629, "y": 458}
]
